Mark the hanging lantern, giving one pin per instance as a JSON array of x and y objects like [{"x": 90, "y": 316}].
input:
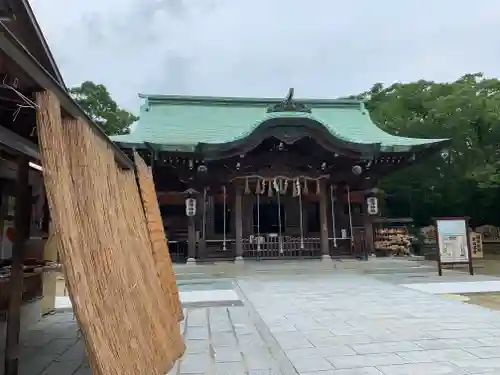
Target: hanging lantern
[
  {"x": 317, "y": 187},
  {"x": 247, "y": 187},
  {"x": 357, "y": 170},
  {"x": 372, "y": 205},
  {"x": 306, "y": 190},
  {"x": 298, "y": 187},
  {"x": 285, "y": 187}
]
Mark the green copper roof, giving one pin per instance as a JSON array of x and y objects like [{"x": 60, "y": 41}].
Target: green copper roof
[{"x": 180, "y": 123}]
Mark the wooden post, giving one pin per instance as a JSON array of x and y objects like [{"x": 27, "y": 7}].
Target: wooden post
[
  {"x": 323, "y": 221},
  {"x": 341, "y": 219},
  {"x": 210, "y": 215},
  {"x": 21, "y": 221},
  {"x": 238, "y": 213},
  {"x": 369, "y": 244},
  {"x": 191, "y": 240},
  {"x": 368, "y": 225},
  {"x": 248, "y": 203},
  {"x": 201, "y": 215}
]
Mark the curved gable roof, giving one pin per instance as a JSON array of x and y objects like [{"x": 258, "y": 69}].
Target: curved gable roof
[{"x": 181, "y": 123}]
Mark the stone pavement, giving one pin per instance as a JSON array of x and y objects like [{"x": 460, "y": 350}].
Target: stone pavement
[
  {"x": 53, "y": 346},
  {"x": 308, "y": 318},
  {"x": 224, "y": 340},
  {"x": 348, "y": 324},
  {"x": 219, "y": 340}
]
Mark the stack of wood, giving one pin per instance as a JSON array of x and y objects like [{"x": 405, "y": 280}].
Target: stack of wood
[{"x": 393, "y": 240}]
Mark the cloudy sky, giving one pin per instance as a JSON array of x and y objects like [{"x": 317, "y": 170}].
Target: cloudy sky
[{"x": 323, "y": 48}]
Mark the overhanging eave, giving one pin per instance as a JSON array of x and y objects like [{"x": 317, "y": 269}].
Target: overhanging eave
[{"x": 11, "y": 46}]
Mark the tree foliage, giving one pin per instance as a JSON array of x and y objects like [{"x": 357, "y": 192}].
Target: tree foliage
[
  {"x": 462, "y": 180},
  {"x": 96, "y": 101}
]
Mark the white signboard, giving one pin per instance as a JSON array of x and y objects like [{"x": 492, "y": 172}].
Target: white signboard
[{"x": 452, "y": 241}]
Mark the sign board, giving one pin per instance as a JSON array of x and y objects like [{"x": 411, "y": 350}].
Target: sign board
[
  {"x": 476, "y": 244},
  {"x": 372, "y": 205},
  {"x": 453, "y": 242},
  {"x": 190, "y": 207}
]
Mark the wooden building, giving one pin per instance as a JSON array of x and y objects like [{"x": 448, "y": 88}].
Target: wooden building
[{"x": 271, "y": 178}]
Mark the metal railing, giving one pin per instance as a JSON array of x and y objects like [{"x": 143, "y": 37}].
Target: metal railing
[
  {"x": 273, "y": 247},
  {"x": 220, "y": 248}
]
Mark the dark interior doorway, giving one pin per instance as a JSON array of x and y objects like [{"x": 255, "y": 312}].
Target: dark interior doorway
[
  {"x": 268, "y": 216},
  {"x": 219, "y": 219},
  {"x": 313, "y": 224}
]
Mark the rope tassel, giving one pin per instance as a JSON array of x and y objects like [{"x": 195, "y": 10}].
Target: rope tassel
[{"x": 247, "y": 187}]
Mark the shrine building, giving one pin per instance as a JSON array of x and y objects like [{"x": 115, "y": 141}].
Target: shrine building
[{"x": 270, "y": 178}]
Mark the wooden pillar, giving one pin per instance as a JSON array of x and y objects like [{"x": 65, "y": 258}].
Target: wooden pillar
[
  {"x": 341, "y": 219},
  {"x": 191, "y": 240},
  {"x": 368, "y": 226},
  {"x": 21, "y": 221},
  {"x": 238, "y": 222},
  {"x": 248, "y": 202},
  {"x": 323, "y": 220},
  {"x": 192, "y": 236},
  {"x": 210, "y": 215},
  {"x": 201, "y": 215}
]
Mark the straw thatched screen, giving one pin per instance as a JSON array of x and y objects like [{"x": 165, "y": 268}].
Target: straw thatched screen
[
  {"x": 161, "y": 254},
  {"x": 129, "y": 323}
]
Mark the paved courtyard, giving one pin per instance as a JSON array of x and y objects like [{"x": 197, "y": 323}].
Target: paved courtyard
[
  {"x": 310, "y": 318},
  {"x": 351, "y": 324}
]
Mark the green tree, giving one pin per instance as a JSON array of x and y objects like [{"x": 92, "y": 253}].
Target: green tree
[
  {"x": 96, "y": 101},
  {"x": 462, "y": 180}
]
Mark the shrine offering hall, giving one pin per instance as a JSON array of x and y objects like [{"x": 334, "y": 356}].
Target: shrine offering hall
[{"x": 267, "y": 178}]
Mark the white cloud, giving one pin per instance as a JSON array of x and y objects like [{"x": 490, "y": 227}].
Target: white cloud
[{"x": 323, "y": 48}]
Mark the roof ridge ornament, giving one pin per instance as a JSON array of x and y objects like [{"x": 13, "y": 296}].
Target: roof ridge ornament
[{"x": 289, "y": 105}]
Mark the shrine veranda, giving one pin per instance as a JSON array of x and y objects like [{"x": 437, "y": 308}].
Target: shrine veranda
[{"x": 272, "y": 178}]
